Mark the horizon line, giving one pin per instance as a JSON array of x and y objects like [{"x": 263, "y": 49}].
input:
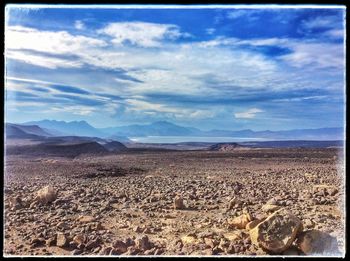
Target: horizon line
[{"x": 171, "y": 123}]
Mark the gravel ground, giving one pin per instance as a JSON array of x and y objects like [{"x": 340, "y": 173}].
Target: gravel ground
[{"x": 124, "y": 204}]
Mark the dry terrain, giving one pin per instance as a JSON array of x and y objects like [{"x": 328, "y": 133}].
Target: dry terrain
[{"x": 174, "y": 202}]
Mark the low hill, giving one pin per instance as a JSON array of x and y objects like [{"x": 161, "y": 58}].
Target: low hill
[
  {"x": 226, "y": 147},
  {"x": 60, "y": 150},
  {"x": 115, "y": 146},
  {"x": 21, "y": 131}
]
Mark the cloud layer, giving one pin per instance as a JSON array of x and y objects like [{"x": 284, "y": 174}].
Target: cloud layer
[{"x": 198, "y": 72}]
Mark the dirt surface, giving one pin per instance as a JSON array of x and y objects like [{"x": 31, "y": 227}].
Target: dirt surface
[{"x": 130, "y": 197}]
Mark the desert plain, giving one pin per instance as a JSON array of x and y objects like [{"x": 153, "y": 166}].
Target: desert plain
[{"x": 238, "y": 202}]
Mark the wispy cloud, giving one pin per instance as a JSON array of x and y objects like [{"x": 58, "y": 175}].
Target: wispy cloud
[
  {"x": 79, "y": 25},
  {"x": 249, "y": 114},
  {"x": 142, "y": 33},
  {"x": 321, "y": 22}
]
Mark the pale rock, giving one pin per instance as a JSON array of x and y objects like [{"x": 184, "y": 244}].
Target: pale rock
[
  {"x": 315, "y": 242},
  {"x": 240, "y": 221},
  {"x": 46, "y": 195},
  {"x": 277, "y": 232},
  {"x": 178, "y": 202}
]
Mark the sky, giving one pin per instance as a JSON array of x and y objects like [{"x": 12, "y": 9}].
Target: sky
[{"x": 209, "y": 68}]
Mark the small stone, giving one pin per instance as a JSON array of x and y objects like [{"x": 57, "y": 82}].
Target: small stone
[
  {"x": 51, "y": 241},
  {"x": 86, "y": 219},
  {"x": 308, "y": 223},
  {"x": 92, "y": 244},
  {"x": 79, "y": 239},
  {"x": 178, "y": 202},
  {"x": 105, "y": 251},
  {"x": 143, "y": 243},
  {"x": 119, "y": 246},
  {"x": 61, "y": 240},
  {"x": 46, "y": 195},
  {"x": 231, "y": 249},
  {"x": 76, "y": 252},
  {"x": 268, "y": 208},
  {"x": 137, "y": 229},
  {"x": 240, "y": 221}
]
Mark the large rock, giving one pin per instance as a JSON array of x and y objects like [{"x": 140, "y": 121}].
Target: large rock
[
  {"x": 315, "y": 242},
  {"x": 46, "y": 195},
  {"x": 240, "y": 221},
  {"x": 277, "y": 232}
]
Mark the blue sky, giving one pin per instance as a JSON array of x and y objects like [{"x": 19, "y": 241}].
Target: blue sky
[{"x": 210, "y": 68}]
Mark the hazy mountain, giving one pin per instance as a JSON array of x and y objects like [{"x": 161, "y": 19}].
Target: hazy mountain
[
  {"x": 159, "y": 128},
  {"x": 77, "y": 128},
  {"x": 163, "y": 128},
  {"x": 22, "y": 131},
  {"x": 57, "y": 149}
]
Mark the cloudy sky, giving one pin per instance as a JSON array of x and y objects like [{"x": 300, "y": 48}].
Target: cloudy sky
[{"x": 210, "y": 68}]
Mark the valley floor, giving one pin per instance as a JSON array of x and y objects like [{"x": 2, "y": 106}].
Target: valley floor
[{"x": 130, "y": 197}]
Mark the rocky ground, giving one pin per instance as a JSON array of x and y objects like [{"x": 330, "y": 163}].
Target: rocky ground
[{"x": 244, "y": 202}]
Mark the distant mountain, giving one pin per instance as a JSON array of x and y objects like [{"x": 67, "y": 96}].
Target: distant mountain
[
  {"x": 164, "y": 128},
  {"x": 77, "y": 128},
  {"x": 22, "y": 131}
]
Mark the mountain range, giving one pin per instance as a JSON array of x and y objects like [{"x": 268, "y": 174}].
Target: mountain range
[{"x": 51, "y": 128}]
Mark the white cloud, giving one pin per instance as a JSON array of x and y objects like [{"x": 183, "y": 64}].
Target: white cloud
[
  {"x": 43, "y": 61},
  {"x": 141, "y": 33},
  {"x": 320, "y": 22},
  {"x": 79, "y": 25},
  {"x": 309, "y": 53},
  {"x": 249, "y": 114},
  {"x": 210, "y": 30},
  {"x": 335, "y": 33},
  {"x": 315, "y": 54},
  {"x": 60, "y": 42},
  {"x": 74, "y": 109},
  {"x": 151, "y": 108}
]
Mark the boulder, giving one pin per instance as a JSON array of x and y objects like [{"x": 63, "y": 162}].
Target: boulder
[
  {"x": 46, "y": 195},
  {"x": 315, "y": 242},
  {"x": 240, "y": 221},
  {"x": 277, "y": 232}
]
